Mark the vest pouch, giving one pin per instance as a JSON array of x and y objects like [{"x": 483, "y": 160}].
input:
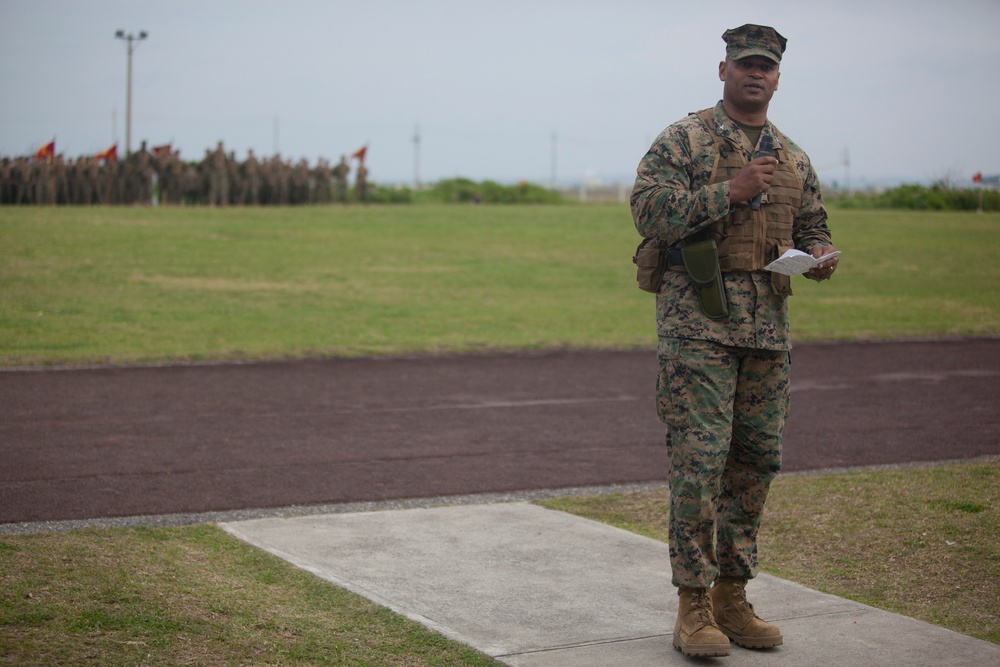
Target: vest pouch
[
  {"x": 650, "y": 260},
  {"x": 702, "y": 263},
  {"x": 780, "y": 284}
]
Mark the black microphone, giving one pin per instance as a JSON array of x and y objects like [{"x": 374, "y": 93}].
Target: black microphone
[{"x": 766, "y": 146}]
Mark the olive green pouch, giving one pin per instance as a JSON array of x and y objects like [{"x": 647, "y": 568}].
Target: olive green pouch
[
  {"x": 651, "y": 262},
  {"x": 702, "y": 263}
]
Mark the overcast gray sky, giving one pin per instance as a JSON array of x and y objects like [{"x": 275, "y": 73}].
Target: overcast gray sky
[{"x": 908, "y": 88}]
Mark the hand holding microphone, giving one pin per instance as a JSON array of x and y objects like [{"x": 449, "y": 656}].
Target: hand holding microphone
[
  {"x": 766, "y": 146},
  {"x": 755, "y": 178}
]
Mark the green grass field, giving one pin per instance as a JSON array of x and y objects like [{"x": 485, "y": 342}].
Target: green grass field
[
  {"x": 86, "y": 285},
  {"x": 80, "y": 286}
]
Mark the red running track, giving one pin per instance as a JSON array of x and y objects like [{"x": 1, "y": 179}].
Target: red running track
[{"x": 109, "y": 442}]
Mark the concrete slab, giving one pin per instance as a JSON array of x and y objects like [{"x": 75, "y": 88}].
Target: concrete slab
[{"x": 538, "y": 588}]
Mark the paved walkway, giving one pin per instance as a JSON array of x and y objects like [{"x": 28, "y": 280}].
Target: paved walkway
[{"x": 538, "y": 588}]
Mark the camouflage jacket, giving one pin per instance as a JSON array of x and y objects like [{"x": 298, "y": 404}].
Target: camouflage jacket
[{"x": 674, "y": 198}]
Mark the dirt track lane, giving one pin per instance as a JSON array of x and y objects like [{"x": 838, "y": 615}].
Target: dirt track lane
[{"x": 84, "y": 444}]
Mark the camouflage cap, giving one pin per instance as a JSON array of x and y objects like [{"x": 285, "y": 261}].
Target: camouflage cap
[{"x": 754, "y": 40}]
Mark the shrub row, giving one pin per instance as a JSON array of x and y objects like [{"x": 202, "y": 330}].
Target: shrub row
[
  {"x": 919, "y": 197},
  {"x": 465, "y": 191}
]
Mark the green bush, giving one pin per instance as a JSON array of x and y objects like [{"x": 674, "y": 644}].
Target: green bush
[
  {"x": 464, "y": 191},
  {"x": 922, "y": 198},
  {"x": 379, "y": 194}
]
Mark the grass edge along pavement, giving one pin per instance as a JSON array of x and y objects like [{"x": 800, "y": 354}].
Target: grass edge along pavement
[
  {"x": 918, "y": 541},
  {"x": 191, "y": 595}
]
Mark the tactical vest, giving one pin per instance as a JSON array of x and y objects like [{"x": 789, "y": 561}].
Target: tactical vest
[{"x": 748, "y": 240}]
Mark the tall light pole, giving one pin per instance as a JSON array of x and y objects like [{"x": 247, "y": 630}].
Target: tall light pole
[{"x": 131, "y": 40}]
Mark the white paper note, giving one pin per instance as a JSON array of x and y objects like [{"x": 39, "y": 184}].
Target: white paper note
[{"x": 794, "y": 262}]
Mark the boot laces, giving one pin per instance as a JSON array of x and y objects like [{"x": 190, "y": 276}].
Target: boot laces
[
  {"x": 701, "y": 603},
  {"x": 740, "y": 594}
]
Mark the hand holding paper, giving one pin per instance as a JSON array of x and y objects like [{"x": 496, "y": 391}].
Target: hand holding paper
[{"x": 794, "y": 262}]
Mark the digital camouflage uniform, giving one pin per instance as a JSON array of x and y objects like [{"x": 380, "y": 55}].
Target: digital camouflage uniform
[
  {"x": 340, "y": 173},
  {"x": 723, "y": 385}
]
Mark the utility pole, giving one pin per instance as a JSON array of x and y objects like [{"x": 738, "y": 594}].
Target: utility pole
[
  {"x": 847, "y": 168},
  {"x": 131, "y": 41},
  {"x": 416, "y": 158},
  {"x": 552, "y": 178}
]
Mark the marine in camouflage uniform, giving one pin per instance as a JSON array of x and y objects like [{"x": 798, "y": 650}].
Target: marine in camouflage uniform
[
  {"x": 323, "y": 177},
  {"x": 299, "y": 191},
  {"x": 340, "y": 173},
  {"x": 723, "y": 384},
  {"x": 6, "y": 181},
  {"x": 361, "y": 183},
  {"x": 216, "y": 166},
  {"x": 251, "y": 180}
]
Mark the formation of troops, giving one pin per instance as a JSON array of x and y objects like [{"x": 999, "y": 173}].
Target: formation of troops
[{"x": 160, "y": 176}]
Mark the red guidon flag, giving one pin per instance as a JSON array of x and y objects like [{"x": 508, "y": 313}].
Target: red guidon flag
[
  {"x": 110, "y": 154},
  {"x": 162, "y": 150},
  {"x": 360, "y": 153},
  {"x": 48, "y": 150},
  {"x": 977, "y": 177}
]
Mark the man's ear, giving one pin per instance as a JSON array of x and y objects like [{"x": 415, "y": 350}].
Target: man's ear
[{"x": 722, "y": 71}]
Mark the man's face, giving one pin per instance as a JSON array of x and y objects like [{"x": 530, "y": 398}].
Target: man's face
[{"x": 749, "y": 82}]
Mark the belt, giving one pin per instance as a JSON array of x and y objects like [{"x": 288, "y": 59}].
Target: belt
[{"x": 675, "y": 259}]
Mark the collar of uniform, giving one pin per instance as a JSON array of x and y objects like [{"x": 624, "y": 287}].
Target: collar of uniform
[{"x": 727, "y": 128}]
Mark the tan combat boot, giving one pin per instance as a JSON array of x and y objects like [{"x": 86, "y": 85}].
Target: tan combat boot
[
  {"x": 696, "y": 633},
  {"x": 736, "y": 617}
]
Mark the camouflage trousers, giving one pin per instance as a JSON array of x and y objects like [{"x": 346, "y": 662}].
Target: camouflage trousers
[{"x": 724, "y": 408}]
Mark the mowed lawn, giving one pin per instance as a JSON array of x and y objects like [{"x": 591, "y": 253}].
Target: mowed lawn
[{"x": 98, "y": 285}]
